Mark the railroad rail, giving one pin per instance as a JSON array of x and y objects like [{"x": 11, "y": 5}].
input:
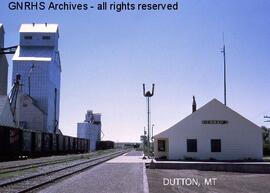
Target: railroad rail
[
  {"x": 20, "y": 167},
  {"x": 35, "y": 181}
]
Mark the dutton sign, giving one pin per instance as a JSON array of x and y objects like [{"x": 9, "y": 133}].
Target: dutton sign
[{"x": 214, "y": 122}]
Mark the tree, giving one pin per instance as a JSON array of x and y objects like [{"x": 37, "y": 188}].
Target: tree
[{"x": 265, "y": 132}]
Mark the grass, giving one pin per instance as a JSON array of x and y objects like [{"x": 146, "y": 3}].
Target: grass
[{"x": 5, "y": 176}]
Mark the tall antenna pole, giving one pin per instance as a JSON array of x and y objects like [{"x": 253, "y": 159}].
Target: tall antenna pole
[
  {"x": 224, "y": 62},
  {"x": 148, "y": 95},
  {"x": 148, "y": 124}
]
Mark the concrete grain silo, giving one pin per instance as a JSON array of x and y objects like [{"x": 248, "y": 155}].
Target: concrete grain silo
[
  {"x": 37, "y": 60},
  {"x": 90, "y": 129},
  {"x": 3, "y": 64}
]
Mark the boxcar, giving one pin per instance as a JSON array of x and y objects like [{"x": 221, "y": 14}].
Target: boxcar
[
  {"x": 60, "y": 143},
  {"x": 66, "y": 144},
  {"x": 86, "y": 145},
  {"x": 10, "y": 145},
  {"x": 15, "y": 142},
  {"x": 46, "y": 143},
  {"x": 4, "y": 141},
  {"x": 102, "y": 145},
  {"x": 83, "y": 146},
  {"x": 14, "y": 145},
  {"x": 26, "y": 142},
  {"x": 36, "y": 143},
  {"x": 53, "y": 143},
  {"x": 75, "y": 145},
  {"x": 79, "y": 145},
  {"x": 71, "y": 148}
]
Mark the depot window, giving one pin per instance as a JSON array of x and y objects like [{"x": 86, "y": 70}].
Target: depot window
[
  {"x": 191, "y": 145},
  {"x": 46, "y": 37},
  {"x": 215, "y": 145},
  {"x": 28, "y": 37},
  {"x": 161, "y": 145}
]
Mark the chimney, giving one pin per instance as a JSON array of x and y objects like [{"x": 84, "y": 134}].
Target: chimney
[{"x": 194, "y": 106}]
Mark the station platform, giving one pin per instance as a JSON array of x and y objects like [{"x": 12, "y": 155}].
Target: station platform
[{"x": 123, "y": 174}]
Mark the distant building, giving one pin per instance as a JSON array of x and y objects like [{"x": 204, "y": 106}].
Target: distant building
[
  {"x": 3, "y": 65},
  {"x": 212, "y": 132},
  {"x": 122, "y": 145},
  {"x": 90, "y": 129},
  {"x": 6, "y": 117},
  {"x": 37, "y": 60}
]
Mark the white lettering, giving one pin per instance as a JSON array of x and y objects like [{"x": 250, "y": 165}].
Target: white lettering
[
  {"x": 165, "y": 182},
  {"x": 210, "y": 181}
]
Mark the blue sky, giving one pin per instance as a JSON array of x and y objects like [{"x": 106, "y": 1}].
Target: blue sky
[{"x": 106, "y": 56}]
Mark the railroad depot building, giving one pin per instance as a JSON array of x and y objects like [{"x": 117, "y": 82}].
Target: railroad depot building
[{"x": 213, "y": 132}]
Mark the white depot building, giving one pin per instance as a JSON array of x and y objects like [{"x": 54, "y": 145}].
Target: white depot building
[
  {"x": 37, "y": 60},
  {"x": 90, "y": 129},
  {"x": 212, "y": 132}
]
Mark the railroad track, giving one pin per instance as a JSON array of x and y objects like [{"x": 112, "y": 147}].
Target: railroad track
[
  {"x": 31, "y": 165},
  {"x": 34, "y": 165},
  {"x": 35, "y": 181}
]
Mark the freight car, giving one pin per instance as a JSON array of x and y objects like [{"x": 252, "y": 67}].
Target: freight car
[
  {"x": 102, "y": 145},
  {"x": 16, "y": 143}
]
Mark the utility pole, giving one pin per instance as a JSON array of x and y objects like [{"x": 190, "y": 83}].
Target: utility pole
[
  {"x": 148, "y": 95},
  {"x": 224, "y": 65}
]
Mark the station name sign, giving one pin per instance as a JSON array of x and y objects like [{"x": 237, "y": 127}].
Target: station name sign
[{"x": 215, "y": 122}]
